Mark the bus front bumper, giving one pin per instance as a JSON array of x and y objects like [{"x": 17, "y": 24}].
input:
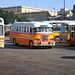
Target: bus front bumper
[{"x": 39, "y": 44}]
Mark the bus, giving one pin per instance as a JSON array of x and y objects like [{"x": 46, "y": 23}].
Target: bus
[
  {"x": 1, "y": 33},
  {"x": 72, "y": 38},
  {"x": 68, "y": 32},
  {"x": 32, "y": 34},
  {"x": 56, "y": 25},
  {"x": 7, "y": 29}
]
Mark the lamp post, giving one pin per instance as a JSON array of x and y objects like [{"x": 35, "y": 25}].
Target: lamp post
[
  {"x": 64, "y": 9},
  {"x": 54, "y": 13}
]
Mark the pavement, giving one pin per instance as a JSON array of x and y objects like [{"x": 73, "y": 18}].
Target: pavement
[{"x": 21, "y": 60}]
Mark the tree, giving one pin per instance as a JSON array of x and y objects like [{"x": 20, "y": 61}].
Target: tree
[{"x": 10, "y": 17}]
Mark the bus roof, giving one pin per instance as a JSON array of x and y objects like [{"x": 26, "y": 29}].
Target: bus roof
[
  {"x": 32, "y": 24},
  {"x": 58, "y": 21},
  {"x": 70, "y": 23}
]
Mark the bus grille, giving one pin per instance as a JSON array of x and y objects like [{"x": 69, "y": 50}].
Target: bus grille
[{"x": 44, "y": 37}]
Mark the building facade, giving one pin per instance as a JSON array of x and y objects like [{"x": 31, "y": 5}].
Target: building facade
[
  {"x": 73, "y": 10},
  {"x": 35, "y": 14},
  {"x": 67, "y": 12}
]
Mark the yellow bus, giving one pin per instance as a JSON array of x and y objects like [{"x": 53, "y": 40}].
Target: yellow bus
[
  {"x": 32, "y": 34},
  {"x": 7, "y": 29},
  {"x": 56, "y": 25},
  {"x": 72, "y": 38},
  {"x": 67, "y": 32},
  {"x": 2, "y": 33}
]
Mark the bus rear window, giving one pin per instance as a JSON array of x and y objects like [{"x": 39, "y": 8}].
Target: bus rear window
[{"x": 1, "y": 30}]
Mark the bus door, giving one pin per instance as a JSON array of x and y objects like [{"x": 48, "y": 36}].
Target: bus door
[
  {"x": 72, "y": 35},
  {"x": 64, "y": 34},
  {"x": 72, "y": 40},
  {"x": 1, "y": 36}
]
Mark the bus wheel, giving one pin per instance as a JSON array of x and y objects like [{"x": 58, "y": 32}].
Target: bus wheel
[
  {"x": 57, "y": 40},
  {"x": 14, "y": 42},
  {"x": 31, "y": 44}
]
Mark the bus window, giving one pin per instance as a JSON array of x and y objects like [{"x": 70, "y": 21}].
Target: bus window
[
  {"x": 64, "y": 29},
  {"x": 12, "y": 28},
  {"x": 15, "y": 28},
  {"x": 1, "y": 30},
  {"x": 19, "y": 29},
  {"x": 34, "y": 30},
  {"x": 56, "y": 26},
  {"x": 30, "y": 29},
  {"x": 24, "y": 29},
  {"x": 42, "y": 29}
]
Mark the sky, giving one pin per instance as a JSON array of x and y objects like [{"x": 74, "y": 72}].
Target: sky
[{"x": 44, "y": 4}]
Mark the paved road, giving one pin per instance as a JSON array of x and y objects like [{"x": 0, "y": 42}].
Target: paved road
[{"x": 21, "y": 60}]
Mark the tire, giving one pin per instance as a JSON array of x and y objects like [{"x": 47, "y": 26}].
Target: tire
[
  {"x": 31, "y": 44},
  {"x": 57, "y": 40},
  {"x": 14, "y": 42}
]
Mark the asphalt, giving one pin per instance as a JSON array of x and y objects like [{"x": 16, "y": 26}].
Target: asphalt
[{"x": 21, "y": 60}]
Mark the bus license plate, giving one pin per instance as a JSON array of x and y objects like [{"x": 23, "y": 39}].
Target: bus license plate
[{"x": 45, "y": 43}]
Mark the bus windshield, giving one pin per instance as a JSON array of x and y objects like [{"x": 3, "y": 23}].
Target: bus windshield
[
  {"x": 1, "y": 30},
  {"x": 64, "y": 29},
  {"x": 42, "y": 29},
  {"x": 56, "y": 27}
]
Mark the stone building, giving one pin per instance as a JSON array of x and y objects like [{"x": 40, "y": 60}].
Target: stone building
[
  {"x": 67, "y": 12},
  {"x": 35, "y": 14}
]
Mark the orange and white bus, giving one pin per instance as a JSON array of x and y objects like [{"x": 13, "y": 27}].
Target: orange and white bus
[
  {"x": 7, "y": 29},
  {"x": 56, "y": 25},
  {"x": 1, "y": 33},
  {"x": 32, "y": 34},
  {"x": 68, "y": 32}
]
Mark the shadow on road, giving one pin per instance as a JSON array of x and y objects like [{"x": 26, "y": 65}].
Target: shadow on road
[
  {"x": 64, "y": 46},
  {"x": 68, "y": 57}
]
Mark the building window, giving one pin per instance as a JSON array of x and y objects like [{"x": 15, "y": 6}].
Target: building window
[
  {"x": 25, "y": 10},
  {"x": 18, "y": 11}
]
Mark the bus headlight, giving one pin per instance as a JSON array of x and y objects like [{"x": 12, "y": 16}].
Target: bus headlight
[{"x": 36, "y": 39}]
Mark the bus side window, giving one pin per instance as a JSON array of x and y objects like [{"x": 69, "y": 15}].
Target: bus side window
[
  {"x": 15, "y": 28},
  {"x": 12, "y": 28},
  {"x": 21, "y": 29},
  {"x": 18, "y": 29},
  {"x": 27, "y": 29},
  {"x": 30, "y": 29},
  {"x": 24, "y": 29}
]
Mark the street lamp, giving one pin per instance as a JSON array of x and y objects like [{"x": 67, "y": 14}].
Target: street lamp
[
  {"x": 54, "y": 13},
  {"x": 64, "y": 9}
]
